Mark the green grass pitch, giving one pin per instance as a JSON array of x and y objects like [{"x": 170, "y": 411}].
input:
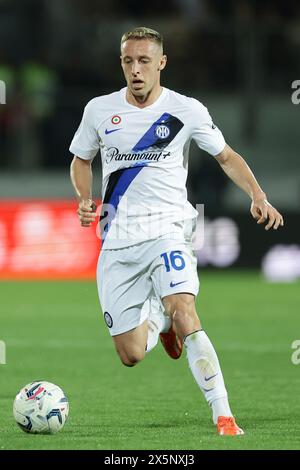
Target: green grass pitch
[{"x": 54, "y": 331}]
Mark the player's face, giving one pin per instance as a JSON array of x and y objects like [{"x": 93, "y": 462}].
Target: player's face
[{"x": 142, "y": 61}]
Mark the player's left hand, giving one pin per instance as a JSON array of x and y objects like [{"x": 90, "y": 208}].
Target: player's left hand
[{"x": 263, "y": 211}]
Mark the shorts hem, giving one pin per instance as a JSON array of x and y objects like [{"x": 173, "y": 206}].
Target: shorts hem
[
  {"x": 125, "y": 329},
  {"x": 179, "y": 290}
]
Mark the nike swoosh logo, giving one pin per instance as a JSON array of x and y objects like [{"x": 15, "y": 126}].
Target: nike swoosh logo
[
  {"x": 211, "y": 377},
  {"x": 173, "y": 284},
  {"x": 112, "y": 130}
]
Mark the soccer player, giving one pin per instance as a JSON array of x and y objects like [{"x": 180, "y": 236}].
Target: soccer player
[{"x": 147, "y": 272}]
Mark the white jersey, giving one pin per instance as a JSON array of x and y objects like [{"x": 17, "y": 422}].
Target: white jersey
[{"x": 144, "y": 155}]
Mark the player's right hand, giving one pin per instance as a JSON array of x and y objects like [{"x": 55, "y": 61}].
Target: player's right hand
[
  {"x": 263, "y": 211},
  {"x": 87, "y": 212}
]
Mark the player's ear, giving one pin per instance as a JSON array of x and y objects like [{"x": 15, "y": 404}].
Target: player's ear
[{"x": 162, "y": 62}]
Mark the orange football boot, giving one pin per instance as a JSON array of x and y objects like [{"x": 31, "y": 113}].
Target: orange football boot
[
  {"x": 172, "y": 343},
  {"x": 227, "y": 426}
]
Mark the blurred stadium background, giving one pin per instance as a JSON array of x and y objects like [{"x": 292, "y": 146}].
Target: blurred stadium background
[{"x": 240, "y": 59}]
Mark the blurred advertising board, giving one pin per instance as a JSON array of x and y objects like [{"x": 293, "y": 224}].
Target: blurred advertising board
[
  {"x": 235, "y": 240},
  {"x": 43, "y": 239}
]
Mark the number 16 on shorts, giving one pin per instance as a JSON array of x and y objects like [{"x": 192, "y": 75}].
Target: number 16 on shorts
[
  {"x": 173, "y": 259},
  {"x": 180, "y": 272}
]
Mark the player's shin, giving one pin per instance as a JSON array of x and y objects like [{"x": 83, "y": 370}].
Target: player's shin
[{"x": 205, "y": 367}]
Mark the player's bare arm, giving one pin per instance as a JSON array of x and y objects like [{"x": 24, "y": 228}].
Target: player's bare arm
[
  {"x": 240, "y": 173},
  {"x": 82, "y": 177}
]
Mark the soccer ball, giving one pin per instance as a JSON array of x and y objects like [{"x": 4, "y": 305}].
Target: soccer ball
[{"x": 41, "y": 408}]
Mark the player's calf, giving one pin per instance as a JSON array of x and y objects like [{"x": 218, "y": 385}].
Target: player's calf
[{"x": 181, "y": 308}]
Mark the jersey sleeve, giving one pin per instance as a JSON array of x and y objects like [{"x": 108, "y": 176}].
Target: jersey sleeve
[
  {"x": 85, "y": 143},
  {"x": 204, "y": 132}
]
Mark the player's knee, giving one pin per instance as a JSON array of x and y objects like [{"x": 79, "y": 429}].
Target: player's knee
[
  {"x": 130, "y": 361},
  {"x": 131, "y": 357}
]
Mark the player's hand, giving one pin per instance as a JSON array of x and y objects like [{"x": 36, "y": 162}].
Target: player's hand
[
  {"x": 87, "y": 212},
  {"x": 263, "y": 211}
]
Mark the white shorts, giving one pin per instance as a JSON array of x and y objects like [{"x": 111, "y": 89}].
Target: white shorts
[{"x": 128, "y": 278}]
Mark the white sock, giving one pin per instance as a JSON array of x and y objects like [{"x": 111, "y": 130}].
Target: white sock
[
  {"x": 153, "y": 334},
  {"x": 158, "y": 323},
  {"x": 205, "y": 367}
]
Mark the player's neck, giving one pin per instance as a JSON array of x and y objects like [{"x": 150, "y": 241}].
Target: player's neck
[{"x": 142, "y": 101}]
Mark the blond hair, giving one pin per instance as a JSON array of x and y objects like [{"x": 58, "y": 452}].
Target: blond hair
[{"x": 143, "y": 33}]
